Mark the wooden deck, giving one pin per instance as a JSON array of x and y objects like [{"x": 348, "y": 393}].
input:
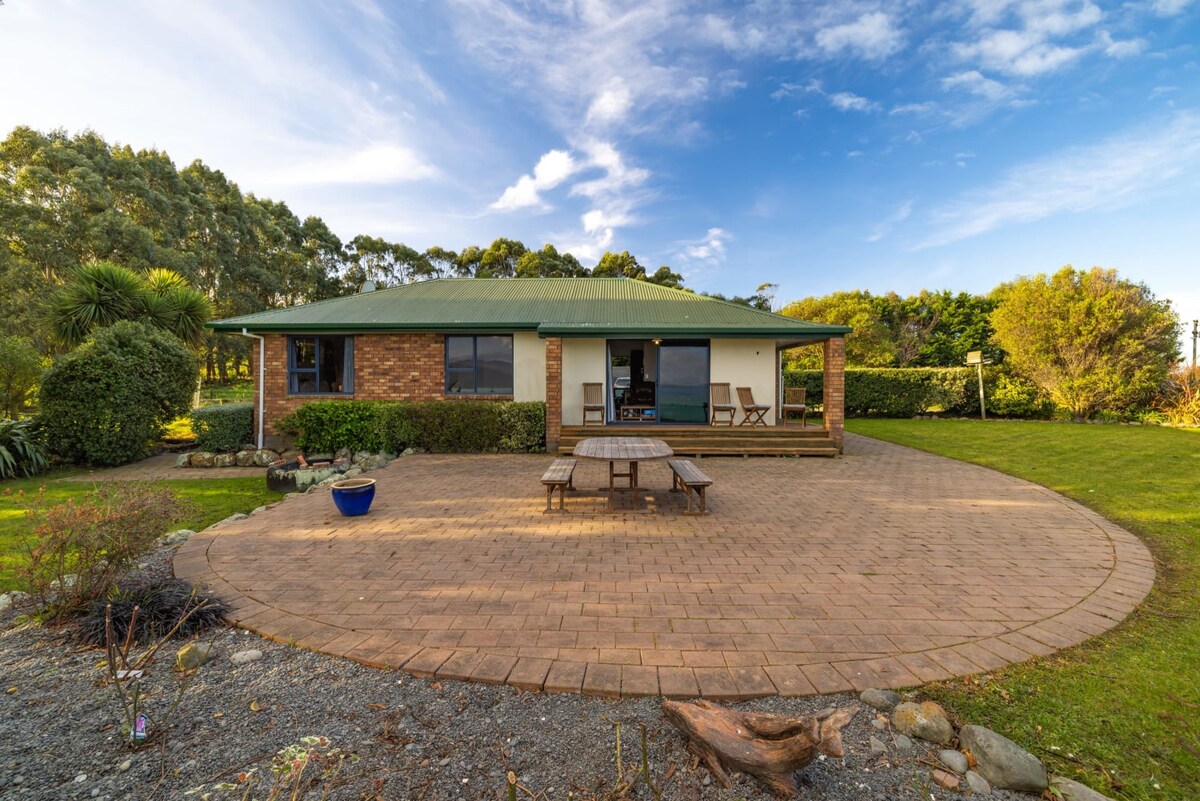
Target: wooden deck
[{"x": 789, "y": 440}]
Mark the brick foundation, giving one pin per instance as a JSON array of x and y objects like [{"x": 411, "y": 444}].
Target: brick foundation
[{"x": 835, "y": 390}]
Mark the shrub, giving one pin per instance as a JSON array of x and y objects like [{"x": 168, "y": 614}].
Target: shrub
[
  {"x": 1180, "y": 401},
  {"x": 77, "y": 551},
  {"x": 160, "y": 605},
  {"x": 22, "y": 449},
  {"x": 435, "y": 426},
  {"x": 224, "y": 427},
  {"x": 20, "y": 372},
  {"x": 897, "y": 392},
  {"x": 1013, "y": 396},
  {"x": 108, "y": 400}
]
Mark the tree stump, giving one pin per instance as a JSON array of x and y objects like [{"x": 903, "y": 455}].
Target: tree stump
[{"x": 771, "y": 748}]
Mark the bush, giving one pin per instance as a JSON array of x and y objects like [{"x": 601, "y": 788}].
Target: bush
[
  {"x": 22, "y": 449},
  {"x": 1012, "y": 396},
  {"x": 20, "y": 372},
  {"x": 1180, "y": 401},
  {"x": 108, "y": 400},
  {"x": 160, "y": 605},
  {"x": 224, "y": 427},
  {"x": 77, "y": 551},
  {"x": 435, "y": 426}
]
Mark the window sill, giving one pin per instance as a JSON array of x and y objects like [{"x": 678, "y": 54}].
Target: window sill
[
  {"x": 467, "y": 396},
  {"x": 323, "y": 395}
]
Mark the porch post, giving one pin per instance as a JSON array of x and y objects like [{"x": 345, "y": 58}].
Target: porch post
[
  {"x": 834, "y": 396},
  {"x": 553, "y": 393}
]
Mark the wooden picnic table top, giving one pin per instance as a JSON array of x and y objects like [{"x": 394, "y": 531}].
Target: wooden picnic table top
[{"x": 623, "y": 449}]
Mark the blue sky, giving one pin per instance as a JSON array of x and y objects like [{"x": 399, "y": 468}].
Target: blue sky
[{"x": 840, "y": 145}]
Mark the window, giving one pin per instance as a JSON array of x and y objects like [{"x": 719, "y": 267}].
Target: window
[
  {"x": 479, "y": 365},
  {"x": 320, "y": 365}
]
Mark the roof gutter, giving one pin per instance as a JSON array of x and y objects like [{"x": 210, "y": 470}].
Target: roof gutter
[{"x": 262, "y": 372}]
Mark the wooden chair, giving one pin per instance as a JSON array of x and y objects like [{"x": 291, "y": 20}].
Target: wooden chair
[
  {"x": 795, "y": 400},
  {"x": 721, "y": 403},
  {"x": 593, "y": 401},
  {"x": 755, "y": 413}
]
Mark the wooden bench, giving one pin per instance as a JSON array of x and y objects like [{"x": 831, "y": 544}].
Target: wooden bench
[
  {"x": 559, "y": 475},
  {"x": 689, "y": 479}
]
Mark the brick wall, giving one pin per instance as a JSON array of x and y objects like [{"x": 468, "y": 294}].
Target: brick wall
[
  {"x": 835, "y": 390},
  {"x": 553, "y": 393},
  {"x": 401, "y": 367}
]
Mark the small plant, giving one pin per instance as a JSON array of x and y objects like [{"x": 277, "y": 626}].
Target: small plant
[
  {"x": 306, "y": 769},
  {"x": 77, "y": 551},
  {"x": 1180, "y": 402},
  {"x": 222, "y": 428},
  {"x": 150, "y": 610},
  {"x": 22, "y": 450},
  {"x": 125, "y": 674}
]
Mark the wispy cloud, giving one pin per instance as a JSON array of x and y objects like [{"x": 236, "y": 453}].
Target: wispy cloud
[
  {"x": 976, "y": 83},
  {"x": 848, "y": 101},
  {"x": 885, "y": 226},
  {"x": 708, "y": 250},
  {"x": 551, "y": 170},
  {"x": 1115, "y": 172},
  {"x": 873, "y": 36}
]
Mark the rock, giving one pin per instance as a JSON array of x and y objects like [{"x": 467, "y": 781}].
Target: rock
[
  {"x": 291, "y": 454},
  {"x": 877, "y": 747},
  {"x": 233, "y": 518},
  {"x": 247, "y": 656},
  {"x": 264, "y": 457},
  {"x": 408, "y": 451},
  {"x": 244, "y": 458},
  {"x": 342, "y": 453},
  {"x": 258, "y": 509},
  {"x": 945, "y": 779},
  {"x": 1002, "y": 762},
  {"x": 193, "y": 655},
  {"x": 903, "y": 743},
  {"x": 307, "y": 479},
  {"x": 202, "y": 459},
  {"x": 177, "y": 537},
  {"x": 224, "y": 460},
  {"x": 124, "y": 766},
  {"x": 954, "y": 760},
  {"x": 183, "y": 459},
  {"x": 1071, "y": 790},
  {"x": 374, "y": 462},
  {"x": 883, "y": 700},
  {"x": 351, "y": 472},
  {"x": 925, "y": 720},
  {"x": 978, "y": 784},
  {"x": 359, "y": 456},
  {"x": 81, "y": 778}
]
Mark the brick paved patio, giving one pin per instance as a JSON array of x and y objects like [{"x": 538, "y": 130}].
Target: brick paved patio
[{"x": 885, "y": 568}]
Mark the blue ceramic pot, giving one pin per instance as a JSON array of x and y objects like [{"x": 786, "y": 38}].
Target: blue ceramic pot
[{"x": 354, "y": 495}]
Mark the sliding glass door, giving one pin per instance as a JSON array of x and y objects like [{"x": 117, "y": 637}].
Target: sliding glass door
[{"x": 683, "y": 382}]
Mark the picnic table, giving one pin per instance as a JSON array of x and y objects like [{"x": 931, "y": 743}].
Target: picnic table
[{"x": 623, "y": 449}]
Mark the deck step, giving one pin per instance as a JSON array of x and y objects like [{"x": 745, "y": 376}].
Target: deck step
[{"x": 715, "y": 440}]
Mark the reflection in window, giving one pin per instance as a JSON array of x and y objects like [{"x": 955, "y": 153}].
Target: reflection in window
[
  {"x": 479, "y": 365},
  {"x": 320, "y": 365}
]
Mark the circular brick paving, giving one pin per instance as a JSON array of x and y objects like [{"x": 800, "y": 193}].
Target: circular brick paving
[{"x": 885, "y": 568}]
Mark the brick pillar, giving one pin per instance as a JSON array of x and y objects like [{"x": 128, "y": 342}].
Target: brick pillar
[
  {"x": 835, "y": 390},
  {"x": 553, "y": 393}
]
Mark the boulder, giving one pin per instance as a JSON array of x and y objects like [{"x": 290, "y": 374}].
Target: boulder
[
  {"x": 264, "y": 457},
  {"x": 291, "y": 455},
  {"x": 883, "y": 700},
  {"x": 945, "y": 779},
  {"x": 244, "y": 458},
  {"x": 306, "y": 479},
  {"x": 233, "y": 518},
  {"x": 224, "y": 460},
  {"x": 183, "y": 459},
  {"x": 374, "y": 462},
  {"x": 351, "y": 472},
  {"x": 202, "y": 459},
  {"x": 359, "y": 456},
  {"x": 1002, "y": 762},
  {"x": 408, "y": 451},
  {"x": 244, "y": 657},
  {"x": 193, "y": 655},
  {"x": 954, "y": 760},
  {"x": 1071, "y": 790},
  {"x": 925, "y": 720},
  {"x": 978, "y": 784},
  {"x": 342, "y": 453},
  {"x": 177, "y": 537}
]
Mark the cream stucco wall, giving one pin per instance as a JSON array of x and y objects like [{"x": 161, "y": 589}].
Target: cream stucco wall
[
  {"x": 529, "y": 366},
  {"x": 583, "y": 361},
  {"x": 746, "y": 363}
]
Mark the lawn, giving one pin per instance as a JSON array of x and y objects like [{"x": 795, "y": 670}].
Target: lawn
[
  {"x": 1122, "y": 711},
  {"x": 213, "y": 499}
]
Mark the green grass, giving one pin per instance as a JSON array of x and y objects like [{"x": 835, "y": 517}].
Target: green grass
[
  {"x": 213, "y": 499},
  {"x": 1122, "y": 711},
  {"x": 240, "y": 390}
]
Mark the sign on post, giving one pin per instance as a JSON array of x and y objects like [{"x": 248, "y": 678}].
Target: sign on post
[{"x": 975, "y": 357}]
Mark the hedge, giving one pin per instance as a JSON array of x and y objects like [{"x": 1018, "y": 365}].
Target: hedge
[
  {"x": 909, "y": 391},
  {"x": 434, "y": 426},
  {"x": 223, "y": 428}
]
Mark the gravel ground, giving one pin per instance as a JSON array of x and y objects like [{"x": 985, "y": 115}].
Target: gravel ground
[{"x": 416, "y": 739}]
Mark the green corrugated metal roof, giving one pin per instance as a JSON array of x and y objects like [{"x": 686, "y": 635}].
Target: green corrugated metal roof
[{"x": 551, "y": 306}]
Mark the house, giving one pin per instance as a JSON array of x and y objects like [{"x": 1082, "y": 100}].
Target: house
[{"x": 653, "y": 349}]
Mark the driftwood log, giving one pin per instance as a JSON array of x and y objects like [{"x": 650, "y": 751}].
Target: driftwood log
[{"x": 771, "y": 748}]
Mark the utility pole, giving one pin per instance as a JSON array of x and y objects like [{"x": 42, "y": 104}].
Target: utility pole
[{"x": 1195, "y": 336}]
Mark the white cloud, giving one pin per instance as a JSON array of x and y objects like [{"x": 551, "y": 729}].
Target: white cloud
[
  {"x": 872, "y": 36},
  {"x": 551, "y": 170},
  {"x": 708, "y": 250},
  {"x": 376, "y": 164},
  {"x": 813, "y": 86},
  {"x": 883, "y": 228},
  {"x": 976, "y": 83},
  {"x": 1169, "y": 8},
  {"x": 848, "y": 101},
  {"x": 1125, "y": 48},
  {"x": 1115, "y": 172},
  {"x": 926, "y": 107},
  {"x": 1043, "y": 36},
  {"x": 611, "y": 105}
]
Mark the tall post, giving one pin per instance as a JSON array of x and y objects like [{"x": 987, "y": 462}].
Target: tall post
[
  {"x": 982, "y": 407},
  {"x": 1195, "y": 336},
  {"x": 834, "y": 394}
]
